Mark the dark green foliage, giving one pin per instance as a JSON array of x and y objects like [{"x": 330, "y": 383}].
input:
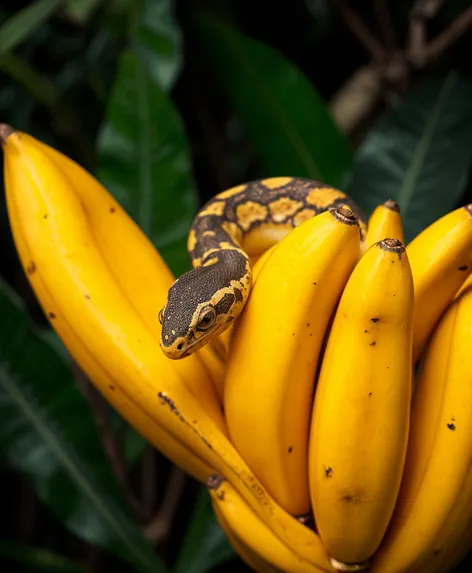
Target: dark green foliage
[{"x": 169, "y": 103}]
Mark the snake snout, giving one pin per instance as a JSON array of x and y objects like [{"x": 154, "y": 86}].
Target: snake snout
[{"x": 177, "y": 350}]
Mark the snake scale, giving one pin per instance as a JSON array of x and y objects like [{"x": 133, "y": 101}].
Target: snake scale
[{"x": 228, "y": 234}]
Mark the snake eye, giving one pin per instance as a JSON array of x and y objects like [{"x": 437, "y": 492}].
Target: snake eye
[
  {"x": 161, "y": 315},
  {"x": 206, "y": 319}
]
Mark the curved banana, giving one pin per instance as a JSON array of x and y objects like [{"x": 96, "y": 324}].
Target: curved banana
[
  {"x": 88, "y": 298},
  {"x": 433, "y": 486},
  {"x": 215, "y": 354},
  {"x": 137, "y": 266},
  {"x": 440, "y": 259},
  {"x": 455, "y": 538},
  {"x": 275, "y": 348},
  {"x": 360, "y": 419},
  {"x": 254, "y": 533},
  {"x": 156, "y": 435},
  {"x": 250, "y": 557},
  {"x": 384, "y": 222}
]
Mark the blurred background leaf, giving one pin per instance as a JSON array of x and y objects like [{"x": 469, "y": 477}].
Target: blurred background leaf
[
  {"x": 81, "y": 10},
  {"x": 48, "y": 434},
  {"x": 20, "y": 26},
  {"x": 156, "y": 39},
  {"x": 144, "y": 160},
  {"x": 418, "y": 154},
  {"x": 38, "y": 559},
  {"x": 283, "y": 114},
  {"x": 225, "y": 100},
  {"x": 205, "y": 544}
]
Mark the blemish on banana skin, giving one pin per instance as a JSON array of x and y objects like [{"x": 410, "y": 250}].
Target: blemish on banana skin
[
  {"x": 214, "y": 482},
  {"x": 256, "y": 487},
  {"x": 353, "y": 498},
  {"x": 173, "y": 408},
  {"x": 328, "y": 471}
]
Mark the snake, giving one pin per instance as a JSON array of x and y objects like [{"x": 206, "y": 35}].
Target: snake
[{"x": 227, "y": 236}]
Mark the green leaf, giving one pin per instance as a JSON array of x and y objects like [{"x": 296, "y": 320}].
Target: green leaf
[
  {"x": 418, "y": 154},
  {"x": 205, "y": 545},
  {"x": 283, "y": 114},
  {"x": 20, "y": 26},
  {"x": 37, "y": 84},
  {"x": 156, "y": 39},
  {"x": 80, "y": 10},
  {"x": 134, "y": 446},
  {"x": 144, "y": 161},
  {"x": 40, "y": 559},
  {"x": 47, "y": 433}
]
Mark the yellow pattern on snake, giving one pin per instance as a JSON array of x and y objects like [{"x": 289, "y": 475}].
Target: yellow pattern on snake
[{"x": 231, "y": 231}]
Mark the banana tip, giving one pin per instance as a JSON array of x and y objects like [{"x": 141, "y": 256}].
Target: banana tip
[
  {"x": 392, "y": 245},
  {"x": 214, "y": 481},
  {"x": 468, "y": 208},
  {"x": 340, "y": 566},
  {"x": 392, "y": 205},
  {"x": 345, "y": 215},
  {"x": 5, "y": 131}
]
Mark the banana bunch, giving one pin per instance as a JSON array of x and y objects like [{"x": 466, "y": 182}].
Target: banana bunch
[{"x": 332, "y": 424}]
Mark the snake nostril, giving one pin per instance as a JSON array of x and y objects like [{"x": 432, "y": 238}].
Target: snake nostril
[{"x": 180, "y": 346}]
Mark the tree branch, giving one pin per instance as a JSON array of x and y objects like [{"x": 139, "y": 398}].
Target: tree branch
[
  {"x": 149, "y": 481},
  {"x": 421, "y": 12},
  {"x": 100, "y": 413},
  {"x": 158, "y": 529},
  {"x": 356, "y": 98},
  {"x": 386, "y": 25},
  {"x": 450, "y": 35},
  {"x": 360, "y": 30},
  {"x": 426, "y": 9}
]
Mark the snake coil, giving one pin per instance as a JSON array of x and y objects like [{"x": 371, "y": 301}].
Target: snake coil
[{"x": 231, "y": 231}]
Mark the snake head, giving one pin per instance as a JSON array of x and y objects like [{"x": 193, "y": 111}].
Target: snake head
[{"x": 194, "y": 315}]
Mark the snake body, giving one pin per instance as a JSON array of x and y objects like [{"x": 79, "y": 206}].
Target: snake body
[{"x": 231, "y": 231}]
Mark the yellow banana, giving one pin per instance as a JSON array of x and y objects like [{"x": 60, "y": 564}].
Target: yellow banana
[
  {"x": 384, "y": 222},
  {"x": 155, "y": 434},
  {"x": 452, "y": 559},
  {"x": 440, "y": 259},
  {"x": 136, "y": 265},
  {"x": 215, "y": 354},
  {"x": 454, "y": 540},
  {"x": 88, "y": 298},
  {"x": 360, "y": 419},
  {"x": 251, "y": 558},
  {"x": 252, "y": 531},
  {"x": 275, "y": 347},
  {"x": 432, "y": 487}
]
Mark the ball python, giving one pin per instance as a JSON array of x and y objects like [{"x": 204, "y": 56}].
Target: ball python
[{"x": 228, "y": 234}]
